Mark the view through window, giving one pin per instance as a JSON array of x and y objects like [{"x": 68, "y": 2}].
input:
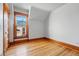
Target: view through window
[{"x": 21, "y": 25}]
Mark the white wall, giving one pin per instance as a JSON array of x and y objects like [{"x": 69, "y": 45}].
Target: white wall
[
  {"x": 36, "y": 23},
  {"x": 63, "y": 24},
  {"x": 19, "y": 9},
  {"x": 36, "y": 29},
  {"x": 1, "y": 29},
  {"x": 11, "y": 20}
]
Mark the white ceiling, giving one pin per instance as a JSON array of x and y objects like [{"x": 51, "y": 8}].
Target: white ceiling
[
  {"x": 43, "y": 6},
  {"x": 39, "y": 11}
]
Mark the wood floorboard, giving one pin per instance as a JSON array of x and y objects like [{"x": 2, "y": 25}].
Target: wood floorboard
[{"x": 40, "y": 47}]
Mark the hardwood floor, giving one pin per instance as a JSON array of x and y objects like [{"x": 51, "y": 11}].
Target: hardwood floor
[{"x": 40, "y": 47}]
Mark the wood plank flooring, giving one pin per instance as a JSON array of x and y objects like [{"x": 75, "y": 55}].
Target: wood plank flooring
[{"x": 40, "y": 47}]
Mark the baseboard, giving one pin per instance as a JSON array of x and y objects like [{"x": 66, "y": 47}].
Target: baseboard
[
  {"x": 17, "y": 42},
  {"x": 37, "y": 38},
  {"x": 22, "y": 41},
  {"x": 64, "y": 44},
  {"x": 67, "y": 45}
]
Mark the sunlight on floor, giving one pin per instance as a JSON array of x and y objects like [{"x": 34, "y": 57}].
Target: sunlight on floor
[{"x": 20, "y": 50}]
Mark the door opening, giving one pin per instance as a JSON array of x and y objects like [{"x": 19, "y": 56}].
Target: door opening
[{"x": 20, "y": 25}]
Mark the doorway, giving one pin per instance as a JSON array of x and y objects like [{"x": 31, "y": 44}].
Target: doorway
[{"x": 20, "y": 25}]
